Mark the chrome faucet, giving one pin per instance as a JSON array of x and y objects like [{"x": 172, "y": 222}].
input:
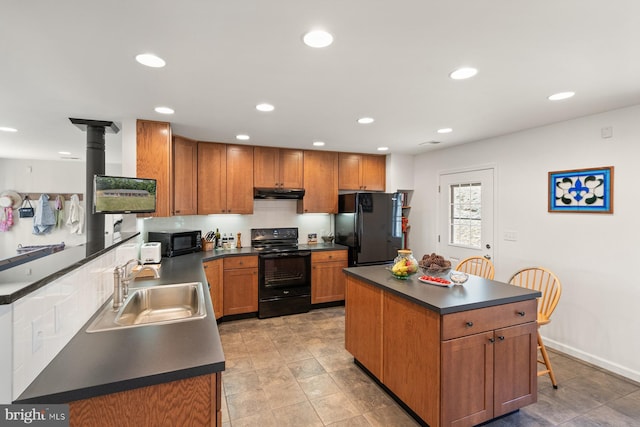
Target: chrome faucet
[{"x": 122, "y": 277}]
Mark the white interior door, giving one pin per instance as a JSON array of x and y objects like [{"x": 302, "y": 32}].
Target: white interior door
[{"x": 465, "y": 225}]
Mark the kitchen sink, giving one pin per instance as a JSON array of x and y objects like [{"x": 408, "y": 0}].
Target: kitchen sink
[{"x": 154, "y": 305}]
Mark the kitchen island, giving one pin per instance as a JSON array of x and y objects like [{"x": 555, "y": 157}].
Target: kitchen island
[{"x": 452, "y": 356}]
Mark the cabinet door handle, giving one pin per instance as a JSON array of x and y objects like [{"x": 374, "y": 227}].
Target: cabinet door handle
[
  {"x": 521, "y": 313},
  {"x": 492, "y": 340},
  {"x": 469, "y": 324},
  {"x": 501, "y": 338}
]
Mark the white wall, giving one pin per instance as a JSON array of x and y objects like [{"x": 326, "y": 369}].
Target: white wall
[
  {"x": 592, "y": 254},
  {"x": 41, "y": 176},
  {"x": 399, "y": 173}
]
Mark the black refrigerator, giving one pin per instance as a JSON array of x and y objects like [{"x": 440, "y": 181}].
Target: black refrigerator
[{"x": 370, "y": 224}]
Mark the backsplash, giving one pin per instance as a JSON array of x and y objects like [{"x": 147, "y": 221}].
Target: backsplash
[
  {"x": 266, "y": 213},
  {"x": 46, "y": 320}
]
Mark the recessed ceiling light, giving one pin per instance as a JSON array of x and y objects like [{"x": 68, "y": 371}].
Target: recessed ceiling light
[
  {"x": 445, "y": 130},
  {"x": 560, "y": 96},
  {"x": 7, "y": 129},
  {"x": 164, "y": 110},
  {"x": 317, "y": 38},
  {"x": 265, "y": 107},
  {"x": 463, "y": 73},
  {"x": 242, "y": 137},
  {"x": 383, "y": 148},
  {"x": 64, "y": 153},
  {"x": 150, "y": 60},
  {"x": 318, "y": 143},
  {"x": 365, "y": 120}
]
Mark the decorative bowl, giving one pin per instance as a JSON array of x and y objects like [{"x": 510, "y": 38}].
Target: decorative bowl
[
  {"x": 328, "y": 239},
  {"x": 458, "y": 277},
  {"x": 436, "y": 271}
]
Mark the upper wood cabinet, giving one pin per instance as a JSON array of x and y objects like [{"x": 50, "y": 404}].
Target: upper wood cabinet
[
  {"x": 320, "y": 183},
  {"x": 185, "y": 176},
  {"x": 361, "y": 172},
  {"x": 154, "y": 160},
  {"x": 277, "y": 168},
  {"x": 225, "y": 178}
]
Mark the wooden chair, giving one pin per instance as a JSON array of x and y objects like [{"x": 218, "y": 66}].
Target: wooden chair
[
  {"x": 477, "y": 265},
  {"x": 543, "y": 280}
]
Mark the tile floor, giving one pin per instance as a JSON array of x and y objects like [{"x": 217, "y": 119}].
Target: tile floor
[{"x": 294, "y": 371}]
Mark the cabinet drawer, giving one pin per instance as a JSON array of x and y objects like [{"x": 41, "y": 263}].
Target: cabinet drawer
[
  {"x": 324, "y": 256},
  {"x": 240, "y": 262},
  {"x": 486, "y": 319}
]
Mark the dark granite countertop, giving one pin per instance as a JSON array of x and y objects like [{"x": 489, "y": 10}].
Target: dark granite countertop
[
  {"x": 111, "y": 361},
  {"x": 477, "y": 292}
]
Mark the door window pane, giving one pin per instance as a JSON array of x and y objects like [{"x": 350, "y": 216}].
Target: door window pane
[{"x": 465, "y": 214}]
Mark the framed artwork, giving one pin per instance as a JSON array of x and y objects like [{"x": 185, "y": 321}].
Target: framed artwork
[{"x": 581, "y": 190}]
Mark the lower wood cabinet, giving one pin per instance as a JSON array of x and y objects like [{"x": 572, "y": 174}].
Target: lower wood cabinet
[
  {"x": 213, "y": 271},
  {"x": 363, "y": 324},
  {"x": 458, "y": 369},
  {"x": 192, "y": 401},
  {"x": 488, "y": 374},
  {"x": 327, "y": 279},
  {"x": 240, "y": 292}
]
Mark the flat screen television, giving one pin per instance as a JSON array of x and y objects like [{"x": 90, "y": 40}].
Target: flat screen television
[{"x": 120, "y": 194}]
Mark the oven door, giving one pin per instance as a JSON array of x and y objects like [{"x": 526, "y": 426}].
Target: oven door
[{"x": 284, "y": 274}]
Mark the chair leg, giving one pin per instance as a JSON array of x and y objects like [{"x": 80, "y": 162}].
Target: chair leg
[{"x": 547, "y": 361}]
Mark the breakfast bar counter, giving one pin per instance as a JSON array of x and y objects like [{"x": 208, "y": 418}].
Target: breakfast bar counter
[{"x": 458, "y": 355}]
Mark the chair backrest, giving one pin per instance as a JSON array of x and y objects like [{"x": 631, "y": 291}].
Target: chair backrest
[
  {"x": 543, "y": 280},
  {"x": 477, "y": 265}
]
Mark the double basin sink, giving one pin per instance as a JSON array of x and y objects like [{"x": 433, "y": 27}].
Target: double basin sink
[{"x": 153, "y": 305}]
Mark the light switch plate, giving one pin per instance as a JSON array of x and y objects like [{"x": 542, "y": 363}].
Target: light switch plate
[{"x": 511, "y": 236}]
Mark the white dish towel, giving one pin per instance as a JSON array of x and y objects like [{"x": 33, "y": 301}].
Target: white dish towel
[{"x": 75, "y": 219}]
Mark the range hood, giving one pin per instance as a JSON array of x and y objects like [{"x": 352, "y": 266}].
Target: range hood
[{"x": 278, "y": 193}]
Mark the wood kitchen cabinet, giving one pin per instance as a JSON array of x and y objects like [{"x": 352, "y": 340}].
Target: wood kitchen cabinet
[
  {"x": 193, "y": 401},
  {"x": 185, "y": 176},
  {"x": 320, "y": 182},
  {"x": 154, "y": 160},
  {"x": 361, "y": 172},
  {"x": 411, "y": 355},
  {"x": 225, "y": 178},
  {"x": 214, "y": 272},
  {"x": 457, "y": 369},
  {"x": 363, "y": 324},
  {"x": 327, "y": 279},
  {"x": 277, "y": 168},
  {"x": 488, "y": 374},
  {"x": 240, "y": 277}
]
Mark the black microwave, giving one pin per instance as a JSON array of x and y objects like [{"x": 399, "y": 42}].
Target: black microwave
[{"x": 177, "y": 242}]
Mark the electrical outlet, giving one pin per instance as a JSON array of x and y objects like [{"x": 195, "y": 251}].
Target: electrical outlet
[
  {"x": 37, "y": 334},
  {"x": 606, "y": 132},
  {"x": 511, "y": 236}
]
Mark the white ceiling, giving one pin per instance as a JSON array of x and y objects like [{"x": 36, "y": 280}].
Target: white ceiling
[{"x": 390, "y": 60}]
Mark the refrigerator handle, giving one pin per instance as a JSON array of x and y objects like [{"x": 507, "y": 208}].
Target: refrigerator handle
[{"x": 359, "y": 225}]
